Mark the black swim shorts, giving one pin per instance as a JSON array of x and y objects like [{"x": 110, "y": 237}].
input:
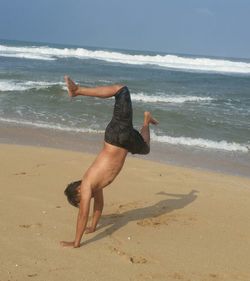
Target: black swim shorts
[{"x": 120, "y": 131}]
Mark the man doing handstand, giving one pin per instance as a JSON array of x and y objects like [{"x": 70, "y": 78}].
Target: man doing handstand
[{"x": 120, "y": 138}]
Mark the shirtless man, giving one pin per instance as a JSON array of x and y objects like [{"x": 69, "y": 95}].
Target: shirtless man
[{"x": 120, "y": 138}]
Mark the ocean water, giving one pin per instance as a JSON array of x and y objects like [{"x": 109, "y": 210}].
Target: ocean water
[{"x": 202, "y": 103}]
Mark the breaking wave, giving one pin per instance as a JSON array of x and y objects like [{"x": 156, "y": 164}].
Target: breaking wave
[
  {"x": 50, "y": 126},
  {"x": 165, "y": 61},
  {"x": 202, "y": 143},
  {"x": 168, "y": 98},
  {"x": 12, "y": 85}
]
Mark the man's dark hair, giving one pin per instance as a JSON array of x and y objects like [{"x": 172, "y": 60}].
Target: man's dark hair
[{"x": 72, "y": 193}]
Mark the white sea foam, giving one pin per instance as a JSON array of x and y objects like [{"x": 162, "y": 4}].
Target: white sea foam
[
  {"x": 27, "y": 56},
  {"x": 199, "y": 142},
  {"x": 168, "y": 61},
  {"x": 50, "y": 126},
  {"x": 168, "y": 98},
  {"x": 12, "y": 85}
]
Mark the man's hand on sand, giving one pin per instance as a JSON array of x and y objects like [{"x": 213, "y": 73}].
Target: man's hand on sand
[
  {"x": 89, "y": 230},
  {"x": 72, "y": 244},
  {"x": 69, "y": 244}
]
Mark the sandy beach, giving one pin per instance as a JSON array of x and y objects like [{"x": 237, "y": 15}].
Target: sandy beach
[{"x": 160, "y": 222}]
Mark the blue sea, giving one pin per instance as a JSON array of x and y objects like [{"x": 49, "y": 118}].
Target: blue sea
[{"x": 201, "y": 102}]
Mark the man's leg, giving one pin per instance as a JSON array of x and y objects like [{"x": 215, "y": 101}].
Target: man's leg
[
  {"x": 100, "y": 92},
  {"x": 148, "y": 119}
]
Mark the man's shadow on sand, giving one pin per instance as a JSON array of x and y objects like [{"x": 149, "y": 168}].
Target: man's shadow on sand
[{"x": 119, "y": 220}]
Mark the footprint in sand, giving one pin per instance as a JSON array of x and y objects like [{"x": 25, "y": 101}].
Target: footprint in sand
[
  {"x": 177, "y": 276},
  {"x": 146, "y": 276},
  {"x": 139, "y": 260},
  {"x": 157, "y": 221},
  {"x": 149, "y": 222},
  {"x": 213, "y": 275},
  {"x": 20, "y": 174},
  {"x": 25, "y": 225},
  {"x": 40, "y": 165},
  {"x": 30, "y": 225},
  {"x": 132, "y": 259},
  {"x": 165, "y": 220},
  {"x": 128, "y": 206},
  {"x": 32, "y": 275}
]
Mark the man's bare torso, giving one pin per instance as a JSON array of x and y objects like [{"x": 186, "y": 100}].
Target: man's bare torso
[{"x": 106, "y": 166}]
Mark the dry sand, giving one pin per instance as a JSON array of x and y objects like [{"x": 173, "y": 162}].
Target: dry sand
[{"x": 160, "y": 222}]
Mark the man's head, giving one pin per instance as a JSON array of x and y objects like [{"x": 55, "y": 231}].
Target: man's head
[{"x": 72, "y": 192}]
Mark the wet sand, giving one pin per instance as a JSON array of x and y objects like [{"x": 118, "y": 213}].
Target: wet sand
[{"x": 233, "y": 163}]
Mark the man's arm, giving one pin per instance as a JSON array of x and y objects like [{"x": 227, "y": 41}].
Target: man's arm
[
  {"x": 97, "y": 211},
  {"x": 82, "y": 217}
]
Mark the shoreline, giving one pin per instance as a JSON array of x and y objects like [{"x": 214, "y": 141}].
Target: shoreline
[{"x": 200, "y": 159}]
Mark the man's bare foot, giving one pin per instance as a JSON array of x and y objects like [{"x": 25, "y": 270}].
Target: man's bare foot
[
  {"x": 72, "y": 87},
  {"x": 148, "y": 119}
]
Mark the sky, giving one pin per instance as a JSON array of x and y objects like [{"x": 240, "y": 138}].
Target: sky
[{"x": 199, "y": 27}]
